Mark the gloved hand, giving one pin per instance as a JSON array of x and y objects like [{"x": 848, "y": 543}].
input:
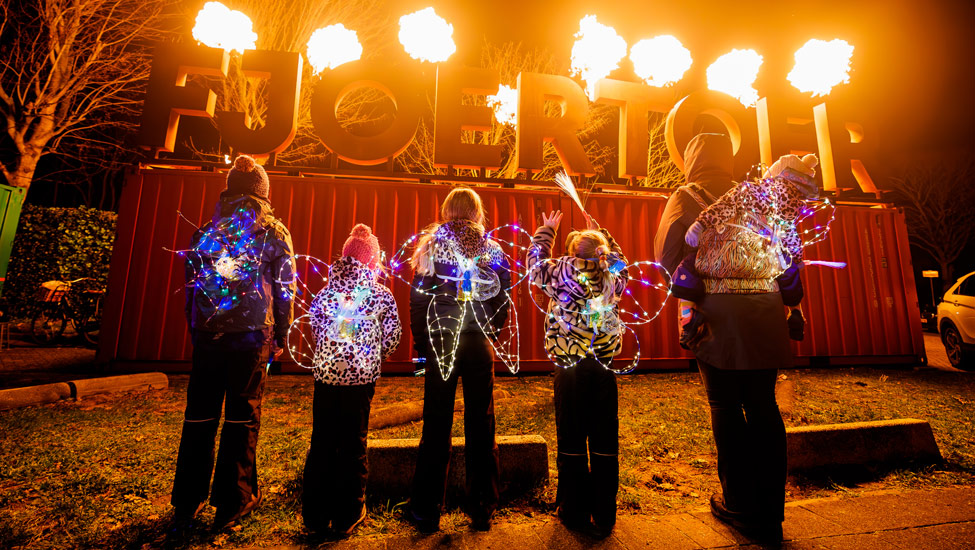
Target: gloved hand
[
  {"x": 693, "y": 329},
  {"x": 797, "y": 325},
  {"x": 693, "y": 235}
]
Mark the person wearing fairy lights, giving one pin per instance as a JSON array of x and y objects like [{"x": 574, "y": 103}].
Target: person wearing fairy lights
[
  {"x": 457, "y": 303},
  {"x": 356, "y": 327},
  {"x": 582, "y": 335},
  {"x": 239, "y": 289},
  {"x": 758, "y": 220}
]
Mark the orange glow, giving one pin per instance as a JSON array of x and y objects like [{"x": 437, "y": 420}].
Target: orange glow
[
  {"x": 505, "y": 105},
  {"x": 660, "y": 61},
  {"x": 332, "y": 46},
  {"x": 218, "y": 26},
  {"x": 426, "y": 36},
  {"x": 820, "y": 65},
  {"x": 734, "y": 73},
  {"x": 596, "y": 53}
]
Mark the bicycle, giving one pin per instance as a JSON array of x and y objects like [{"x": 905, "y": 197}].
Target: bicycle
[{"x": 60, "y": 303}]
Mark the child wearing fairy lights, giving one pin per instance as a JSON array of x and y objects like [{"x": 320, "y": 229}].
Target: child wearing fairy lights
[
  {"x": 582, "y": 335},
  {"x": 356, "y": 327},
  {"x": 754, "y": 245},
  {"x": 452, "y": 315}
]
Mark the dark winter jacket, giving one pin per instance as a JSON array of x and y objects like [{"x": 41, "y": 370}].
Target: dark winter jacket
[
  {"x": 356, "y": 325},
  {"x": 439, "y": 298},
  {"x": 582, "y": 319},
  {"x": 240, "y": 272},
  {"x": 708, "y": 164}
]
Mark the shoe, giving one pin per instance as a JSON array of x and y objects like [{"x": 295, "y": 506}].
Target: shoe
[
  {"x": 425, "y": 526},
  {"x": 759, "y": 531},
  {"x": 347, "y": 532},
  {"x": 185, "y": 514},
  {"x": 573, "y": 523},
  {"x": 481, "y": 523},
  {"x": 221, "y": 520},
  {"x": 601, "y": 531}
]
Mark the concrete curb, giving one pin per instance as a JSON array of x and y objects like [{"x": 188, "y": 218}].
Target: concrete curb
[
  {"x": 861, "y": 443},
  {"x": 524, "y": 462},
  {"x": 15, "y": 398}
]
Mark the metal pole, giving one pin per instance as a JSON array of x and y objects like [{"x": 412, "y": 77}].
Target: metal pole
[{"x": 933, "y": 301}]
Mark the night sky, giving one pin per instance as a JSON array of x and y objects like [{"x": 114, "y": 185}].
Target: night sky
[{"x": 913, "y": 78}]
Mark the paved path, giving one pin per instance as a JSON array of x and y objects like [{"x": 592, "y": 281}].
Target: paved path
[
  {"x": 914, "y": 520},
  {"x": 26, "y": 364}
]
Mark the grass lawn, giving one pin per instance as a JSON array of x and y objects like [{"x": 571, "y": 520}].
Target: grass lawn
[{"x": 98, "y": 473}]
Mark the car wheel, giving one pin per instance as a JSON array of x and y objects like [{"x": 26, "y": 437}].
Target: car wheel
[{"x": 957, "y": 355}]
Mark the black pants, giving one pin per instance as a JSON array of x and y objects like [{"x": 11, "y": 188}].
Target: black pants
[
  {"x": 475, "y": 363},
  {"x": 334, "y": 487},
  {"x": 587, "y": 430},
  {"x": 750, "y": 437},
  {"x": 239, "y": 376}
]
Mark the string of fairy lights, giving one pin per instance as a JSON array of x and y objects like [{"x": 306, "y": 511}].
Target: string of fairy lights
[{"x": 225, "y": 268}]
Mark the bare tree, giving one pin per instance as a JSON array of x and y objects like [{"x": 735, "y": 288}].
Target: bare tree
[
  {"x": 938, "y": 204},
  {"x": 69, "y": 69},
  {"x": 661, "y": 170}
]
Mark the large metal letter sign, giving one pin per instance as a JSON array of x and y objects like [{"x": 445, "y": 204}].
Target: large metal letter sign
[
  {"x": 635, "y": 102},
  {"x": 168, "y": 97},
  {"x": 681, "y": 126},
  {"x": 337, "y": 83},
  {"x": 282, "y": 71},
  {"x": 452, "y": 117},
  {"x": 534, "y": 127}
]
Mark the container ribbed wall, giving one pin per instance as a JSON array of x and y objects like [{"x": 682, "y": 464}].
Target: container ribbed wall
[{"x": 866, "y": 313}]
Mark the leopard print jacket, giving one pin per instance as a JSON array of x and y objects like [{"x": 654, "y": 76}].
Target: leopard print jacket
[
  {"x": 733, "y": 259},
  {"x": 570, "y": 283},
  {"x": 352, "y": 342}
]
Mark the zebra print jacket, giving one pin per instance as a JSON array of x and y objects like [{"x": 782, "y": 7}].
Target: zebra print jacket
[{"x": 574, "y": 329}]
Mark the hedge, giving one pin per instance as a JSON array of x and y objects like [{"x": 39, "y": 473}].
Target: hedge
[{"x": 57, "y": 243}]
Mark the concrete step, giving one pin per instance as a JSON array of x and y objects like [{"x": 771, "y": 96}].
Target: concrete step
[
  {"x": 524, "y": 463},
  {"x": 861, "y": 443}
]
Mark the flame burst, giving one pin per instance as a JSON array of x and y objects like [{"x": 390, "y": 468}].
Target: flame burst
[
  {"x": 505, "y": 105},
  {"x": 218, "y": 26},
  {"x": 596, "y": 53},
  {"x": 734, "y": 73},
  {"x": 426, "y": 36},
  {"x": 660, "y": 61},
  {"x": 332, "y": 46},
  {"x": 820, "y": 65}
]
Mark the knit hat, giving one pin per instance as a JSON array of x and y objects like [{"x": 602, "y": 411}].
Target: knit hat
[
  {"x": 362, "y": 245},
  {"x": 247, "y": 177},
  {"x": 800, "y": 171}
]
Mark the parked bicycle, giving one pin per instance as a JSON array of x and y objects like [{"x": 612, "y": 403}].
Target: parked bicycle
[{"x": 60, "y": 303}]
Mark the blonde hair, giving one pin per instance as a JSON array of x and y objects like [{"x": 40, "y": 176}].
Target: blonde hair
[
  {"x": 462, "y": 203},
  {"x": 587, "y": 244},
  {"x": 590, "y": 244}
]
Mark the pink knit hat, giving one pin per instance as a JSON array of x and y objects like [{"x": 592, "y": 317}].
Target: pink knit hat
[{"x": 362, "y": 245}]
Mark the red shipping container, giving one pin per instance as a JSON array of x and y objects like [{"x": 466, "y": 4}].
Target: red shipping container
[{"x": 865, "y": 313}]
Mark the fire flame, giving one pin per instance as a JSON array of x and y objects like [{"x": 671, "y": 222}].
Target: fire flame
[
  {"x": 660, "y": 61},
  {"x": 332, "y": 46},
  {"x": 218, "y": 26},
  {"x": 734, "y": 73},
  {"x": 426, "y": 36},
  {"x": 505, "y": 105},
  {"x": 596, "y": 53},
  {"x": 820, "y": 65}
]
